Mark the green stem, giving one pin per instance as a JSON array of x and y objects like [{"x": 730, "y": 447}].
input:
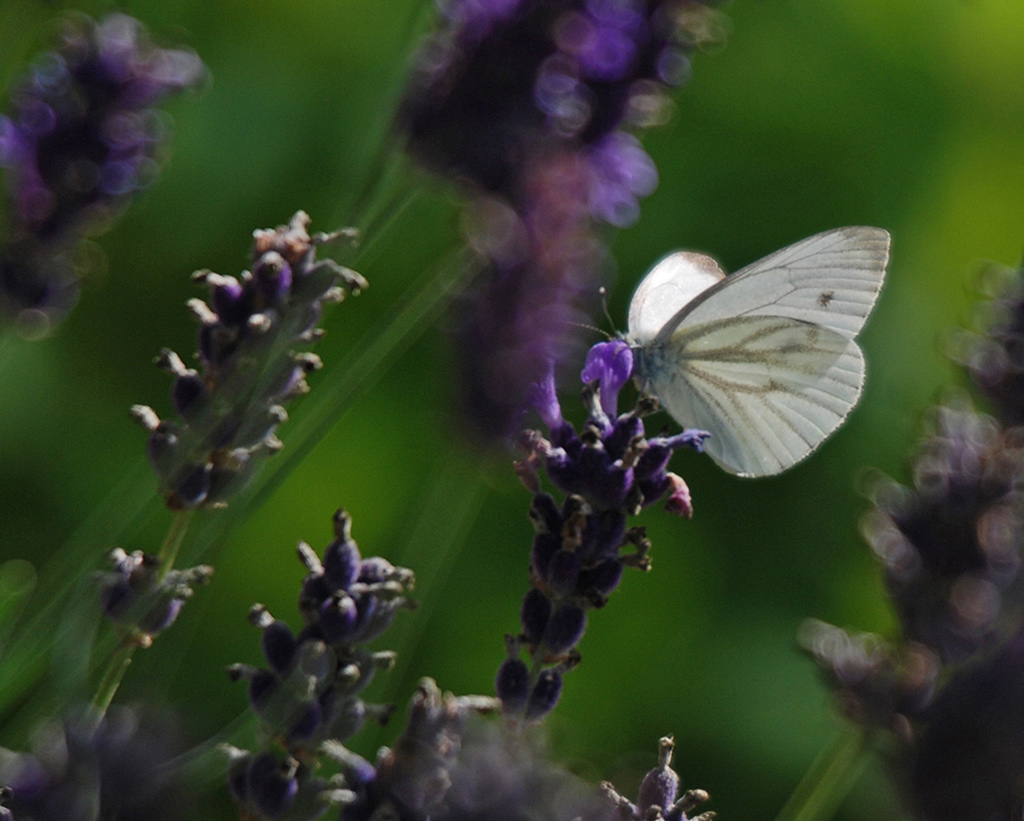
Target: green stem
[
  {"x": 175, "y": 536},
  {"x": 829, "y": 780},
  {"x": 116, "y": 669}
]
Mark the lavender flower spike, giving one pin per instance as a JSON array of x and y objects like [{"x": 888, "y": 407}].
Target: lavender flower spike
[
  {"x": 608, "y": 472},
  {"x": 248, "y": 335},
  {"x": 82, "y": 137}
]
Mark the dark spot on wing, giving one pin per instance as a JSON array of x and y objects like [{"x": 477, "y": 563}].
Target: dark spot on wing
[{"x": 826, "y": 298}]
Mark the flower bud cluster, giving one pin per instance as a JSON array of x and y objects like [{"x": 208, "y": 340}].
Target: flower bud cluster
[
  {"x": 309, "y": 694},
  {"x": 659, "y": 798},
  {"x": 124, "y": 769},
  {"x": 138, "y": 594},
  {"x": 950, "y": 546},
  {"x": 82, "y": 138},
  {"x": 995, "y": 355},
  {"x": 413, "y": 779},
  {"x": 608, "y": 472},
  {"x": 228, "y": 412}
]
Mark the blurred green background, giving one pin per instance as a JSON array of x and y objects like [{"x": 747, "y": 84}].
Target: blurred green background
[{"x": 810, "y": 115}]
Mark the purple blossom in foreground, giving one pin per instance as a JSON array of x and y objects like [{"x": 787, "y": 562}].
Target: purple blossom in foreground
[
  {"x": 248, "y": 334},
  {"x": 526, "y": 103},
  {"x": 951, "y": 544},
  {"x": 82, "y": 137},
  {"x": 123, "y": 770},
  {"x": 608, "y": 472},
  {"x": 951, "y": 689}
]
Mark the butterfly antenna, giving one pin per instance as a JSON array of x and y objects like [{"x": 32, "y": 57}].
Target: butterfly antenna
[
  {"x": 584, "y": 325},
  {"x": 604, "y": 306}
]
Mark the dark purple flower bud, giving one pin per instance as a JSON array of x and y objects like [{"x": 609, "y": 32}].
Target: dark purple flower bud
[
  {"x": 230, "y": 300},
  {"x": 271, "y": 784},
  {"x": 605, "y": 483},
  {"x": 273, "y": 277},
  {"x": 306, "y": 719},
  {"x": 238, "y": 776},
  {"x": 661, "y": 785},
  {"x": 602, "y": 578},
  {"x": 262, "y": 686},
  {"x": 545, "y": 546},
  {"x": 189, "y": 394},
  {"x": 279, "y": 645},
  {"x": 545, "y": 694},
  {"x": 513, "y": 686},
  {"x": 563, "y": 572},
  {"x": 622, "y": 440},
  {"x": 190, "y": 486},
  {"x": 565, "y": 629},
  {"x": 341, "y": 558},
  {"x": 375, "y": 569},
  {"x": 545, "y": 515},
  {"x": 534, "y": 615},
  {"x": 609, "y": 533},
  {"x": 610, "y": 364},
  {"x": 338, "y": 618}
]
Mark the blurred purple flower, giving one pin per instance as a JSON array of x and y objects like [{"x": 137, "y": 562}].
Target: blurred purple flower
[
  {"x": 124, "y": 770},
  {"x": 527, "y": 102},
  {"x": 81, "y": 139}
]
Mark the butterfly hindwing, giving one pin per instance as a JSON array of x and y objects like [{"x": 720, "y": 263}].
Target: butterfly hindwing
[{"x": 769, "y": 389}]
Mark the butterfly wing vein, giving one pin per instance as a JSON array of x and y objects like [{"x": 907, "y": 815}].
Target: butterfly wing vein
[{"x": 769, "y": 389}]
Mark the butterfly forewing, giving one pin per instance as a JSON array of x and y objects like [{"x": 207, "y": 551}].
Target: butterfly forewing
[
  {"x": 831, "y": 279},
  {"x": 769, "y": 389}
]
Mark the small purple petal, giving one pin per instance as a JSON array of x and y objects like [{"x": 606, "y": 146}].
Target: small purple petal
[
  {"x": 544, "y": 398},
  {"x": 610, "y": 364}
]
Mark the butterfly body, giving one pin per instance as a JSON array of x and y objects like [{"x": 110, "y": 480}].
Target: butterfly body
[{"x": 764, "y": 359}]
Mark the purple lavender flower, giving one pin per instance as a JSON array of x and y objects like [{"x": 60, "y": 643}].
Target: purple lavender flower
[
  {"x": 541, "y": 264},
  {"x": 501, "y": 83},
  {"x": 608, "y": 472},
  {"x": 137, "y": 594},
  {"x": 951, "y": 545},
  {"x": 81, "y": 139},
  {"x": 527, "y": 102},
  {"x": 310, "y": 692},
  {"x": 248, "y": 332},
  {"x": 123, "y": 769},
  {"x": 659, "y": 798}
]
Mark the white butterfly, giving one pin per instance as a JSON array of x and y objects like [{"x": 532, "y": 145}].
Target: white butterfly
[{"x": 764, "y": 359}]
